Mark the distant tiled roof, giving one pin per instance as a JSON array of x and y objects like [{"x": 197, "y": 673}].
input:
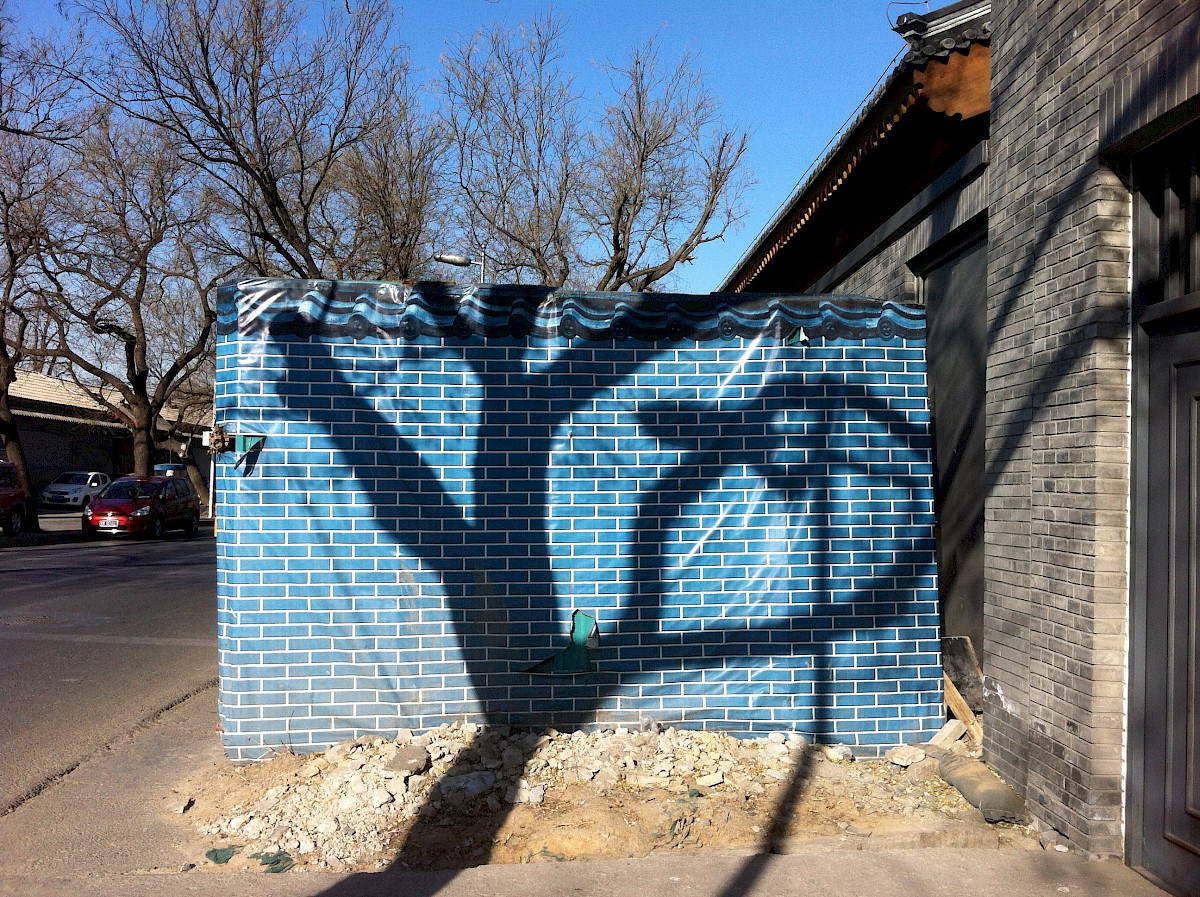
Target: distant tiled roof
[
  {"x": 70, "y": 402},
  {"x": 35, "y": 387}
]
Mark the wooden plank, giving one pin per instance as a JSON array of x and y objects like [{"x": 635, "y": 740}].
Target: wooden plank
[
  {"x": 962, "y": 710},
  {"x": 962, "y": 666}
]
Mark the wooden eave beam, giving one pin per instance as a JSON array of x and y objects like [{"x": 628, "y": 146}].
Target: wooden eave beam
[{"x": 958, "y": 86}]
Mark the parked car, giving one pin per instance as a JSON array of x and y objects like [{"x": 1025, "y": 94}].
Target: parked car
[
  {"x": 146, "y": 506},
  {"x": 14, "y": 500},
  {"x": 74, "y": 489}
]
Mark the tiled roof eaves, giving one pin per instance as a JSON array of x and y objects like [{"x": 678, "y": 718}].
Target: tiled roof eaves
[
  {"x": 819, "y": 172},
  {"x": 941, "y": 46},
  {"x": 70, "y": 419},
  {"x": 938, "y": 46}
]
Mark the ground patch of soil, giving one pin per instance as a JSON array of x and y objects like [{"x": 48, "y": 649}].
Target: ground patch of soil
[{"x": 459, "y": 797}]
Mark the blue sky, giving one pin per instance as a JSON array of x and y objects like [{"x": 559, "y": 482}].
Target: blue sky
[{"x": 789, "y": 71}]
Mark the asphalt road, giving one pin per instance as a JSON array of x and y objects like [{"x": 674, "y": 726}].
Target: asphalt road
[{"x": 96, "y": 638}]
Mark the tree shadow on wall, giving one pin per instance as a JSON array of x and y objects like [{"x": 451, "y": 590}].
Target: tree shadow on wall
[{"x": 492, "y": 555}]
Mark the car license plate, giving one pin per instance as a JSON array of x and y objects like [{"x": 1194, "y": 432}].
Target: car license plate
[{"x": 109, "y": 524}]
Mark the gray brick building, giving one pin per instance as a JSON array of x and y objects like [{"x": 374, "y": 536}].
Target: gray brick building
[{"x": 1030, "y": 171}]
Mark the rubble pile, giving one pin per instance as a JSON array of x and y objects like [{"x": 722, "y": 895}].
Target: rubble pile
[
  {"x": 461, "y": 794},
  {"x": 343, "y": 807}
]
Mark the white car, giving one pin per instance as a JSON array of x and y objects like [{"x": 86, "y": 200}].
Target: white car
[{"x": 74, "y": 489}]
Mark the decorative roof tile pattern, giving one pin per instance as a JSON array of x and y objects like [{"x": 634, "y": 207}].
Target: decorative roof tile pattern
[
  {"x": 408, "y": 311},
  {"x": 923, "y": 50}
]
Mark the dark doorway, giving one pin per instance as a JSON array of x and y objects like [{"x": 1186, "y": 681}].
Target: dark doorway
[
  {"x": 1163, "y": 837},
  {"x": 1171, "y": 784},
  {"x": 954, "y": 287}
]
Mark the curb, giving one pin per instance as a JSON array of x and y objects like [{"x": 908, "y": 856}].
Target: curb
[{"x": 63, "y": 537}]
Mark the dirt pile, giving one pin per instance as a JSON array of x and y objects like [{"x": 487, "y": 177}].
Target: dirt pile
[{"x": 461, "y": 796}]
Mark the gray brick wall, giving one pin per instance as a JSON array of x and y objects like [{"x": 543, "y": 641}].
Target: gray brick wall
[
  {"x": 1058, "y": 399},
  {"x": 1069, "y": 80},
  {"x": 883, "y": 274}
]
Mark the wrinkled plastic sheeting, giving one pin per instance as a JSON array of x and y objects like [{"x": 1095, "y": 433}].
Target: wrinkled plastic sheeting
[{"x": 735, "y": 445}]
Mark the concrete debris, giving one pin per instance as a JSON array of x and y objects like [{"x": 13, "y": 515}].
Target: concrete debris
[
  {"x": 949, "y": 733},
  {"x": 839, "y": 753},
  {"x": 342, "y": 809},
  {"x": 344, "y": 802},
  {"x": 905, "y": 755},
  {"x": 923, "y": 770}
]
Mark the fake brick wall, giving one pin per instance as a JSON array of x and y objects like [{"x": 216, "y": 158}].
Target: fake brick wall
[{"x": 447, "y": 473}]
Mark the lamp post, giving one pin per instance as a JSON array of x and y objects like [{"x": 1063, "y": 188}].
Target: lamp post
[{"x": 464, "y": 261}]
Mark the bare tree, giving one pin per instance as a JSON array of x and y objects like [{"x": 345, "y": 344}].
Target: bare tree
[
  {"x": 391, "y": 196},
  {"x": 269, "y": 111},
  {"x": 27, "y": 179},
  {"x": 37, "y": 90},
  {"x": 665, "y": 175},
  {"x": 616, "y": 201},
  {"x": 122, "y": 280},
  {"x": 36, "y": 112},
  {"x": 516, "y": 126}
]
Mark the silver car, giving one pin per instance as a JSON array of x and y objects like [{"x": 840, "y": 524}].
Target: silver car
[{"x": 74, "y": 489}]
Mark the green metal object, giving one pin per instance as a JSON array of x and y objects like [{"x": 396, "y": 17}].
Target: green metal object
[
  {"x": 577, "y": 656},
  {"x": 245, "y": 443}
]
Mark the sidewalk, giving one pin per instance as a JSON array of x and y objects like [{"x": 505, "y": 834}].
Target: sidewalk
[{"x": 110, "y": 829}]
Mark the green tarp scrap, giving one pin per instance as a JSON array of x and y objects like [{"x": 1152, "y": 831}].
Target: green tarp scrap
[
  {"x": 577, "y": 656},
  {"x": 274, "y": 862},
  {"x": 220, "y": 855}
]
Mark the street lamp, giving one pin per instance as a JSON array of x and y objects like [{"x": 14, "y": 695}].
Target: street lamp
[{"x": 464, "y": 261}]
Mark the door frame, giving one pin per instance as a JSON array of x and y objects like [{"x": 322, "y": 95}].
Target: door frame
[
  {"x": 1151, "y": 314},
  {"x": 1165, "y": 319},
  {"x": 970, "y": 237}
]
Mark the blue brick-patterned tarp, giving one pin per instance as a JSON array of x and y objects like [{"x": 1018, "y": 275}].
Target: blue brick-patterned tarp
[{"x": 736, "y": 488}]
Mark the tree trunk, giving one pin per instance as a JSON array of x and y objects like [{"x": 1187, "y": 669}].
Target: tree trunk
[
  {"x": 196, "y": 477},
  {"x": 143, "y": 452},
  {"x": 15, "y": 451}
]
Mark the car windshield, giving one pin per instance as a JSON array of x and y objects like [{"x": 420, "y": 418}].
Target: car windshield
[
  {"x": 72, "y": 479},
  {"x": 132, "y": 489}
]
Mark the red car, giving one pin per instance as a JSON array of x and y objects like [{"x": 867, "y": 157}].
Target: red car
[
  {"x": 145, "y": 506},
  {"x": 14, "y": 501}
]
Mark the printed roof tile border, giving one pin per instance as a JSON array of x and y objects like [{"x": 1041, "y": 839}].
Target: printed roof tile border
[{"x": 409, "y": 311}]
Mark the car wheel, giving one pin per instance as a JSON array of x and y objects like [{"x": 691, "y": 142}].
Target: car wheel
[
  {"x": 156, "y": 529},
  {"x": 193, "y": 525},
  {"x": 15, "y": 522}
]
